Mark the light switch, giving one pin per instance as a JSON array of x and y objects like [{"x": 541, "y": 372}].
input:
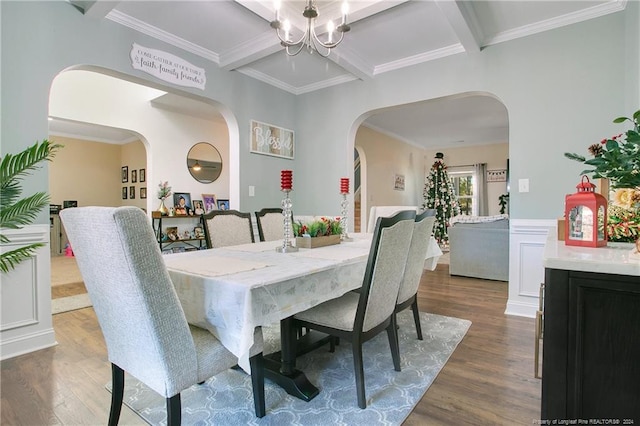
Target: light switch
[
  {"x": 523, "y": 185},
  {"x": 252, "y": 191}
]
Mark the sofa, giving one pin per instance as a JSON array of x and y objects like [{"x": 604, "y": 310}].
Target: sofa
[{"x": 479, "y": 247}]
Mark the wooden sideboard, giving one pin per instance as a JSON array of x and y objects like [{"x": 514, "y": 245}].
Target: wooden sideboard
[{"x": 591, "y": 348}]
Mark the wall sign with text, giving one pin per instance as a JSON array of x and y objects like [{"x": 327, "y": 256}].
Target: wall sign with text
[
  {"x": 167, "y": 67},
  {"x": 497, "y": 175},
  {"x": 268, "y": 139}
]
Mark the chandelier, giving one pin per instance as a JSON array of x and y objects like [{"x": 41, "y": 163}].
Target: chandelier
[{"x": 309, "y": 38}]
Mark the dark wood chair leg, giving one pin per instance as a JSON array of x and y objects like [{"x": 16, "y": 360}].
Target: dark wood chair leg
[
  {"x": 416, "y": 317},
  {"x": 359, "y": 371},
  {"x": 117, "y": 394},
  {"x": 392, "y": 334},
  {"x": 174, "y": 410},
  {"x": 257, "y": 380}
]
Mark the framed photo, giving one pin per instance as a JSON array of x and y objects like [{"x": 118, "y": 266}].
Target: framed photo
[
  {"x": 132, "y": 192},
  {"x": 125, "y": 174},
  {"x": 398, "y": 184},
  {"x": 143, "y": 192},
  {"x": 69, "y": 203},
  {"x": 134, "y": 176},
  {"x": 198, "y": 232},
  {"x": 172, "y": 233},
  {"x": 209, "y": 201},
  {"x": 182, "y": 203},
  {"x": 142, "y": 175},
  {"x": 268, "y": 139},
  {"x": 198, "y": 207},
  {"x": 497, "y": 175},
  {"x": 223, "y": 204},
  {"x": 125, "y": 192}
]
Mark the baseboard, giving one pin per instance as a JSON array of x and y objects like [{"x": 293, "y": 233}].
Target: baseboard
[
  {"x": 521, "y": 309},
  {"x": 26, "y": 343}
]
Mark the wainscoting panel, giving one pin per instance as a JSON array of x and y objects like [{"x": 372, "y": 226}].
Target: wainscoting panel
[
  {"x": 26, "y": 324},
  {"x": 526, "y": 271}
]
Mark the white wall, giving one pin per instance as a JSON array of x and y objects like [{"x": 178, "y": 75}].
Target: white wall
[{"x": 100, "y": 99}]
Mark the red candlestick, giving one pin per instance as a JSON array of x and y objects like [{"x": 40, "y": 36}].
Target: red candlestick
[
  {"x": 344, "y": 185},
  {"x": 286, "y": 180}
]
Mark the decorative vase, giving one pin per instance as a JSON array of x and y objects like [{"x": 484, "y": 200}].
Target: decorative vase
[{"x": 162, "y": 208}]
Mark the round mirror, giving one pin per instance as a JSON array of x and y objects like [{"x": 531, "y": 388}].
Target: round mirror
[{"x": 204, "y": 162}]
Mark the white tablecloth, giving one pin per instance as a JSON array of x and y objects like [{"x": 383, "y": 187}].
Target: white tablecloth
[{"x": 232, "y": 290}]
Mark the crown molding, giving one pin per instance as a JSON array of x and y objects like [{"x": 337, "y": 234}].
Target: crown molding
[
  {"x": 157, "y": 33},
  {"x": 557, "y": 22},
  {"x": 454, "y": 49}
]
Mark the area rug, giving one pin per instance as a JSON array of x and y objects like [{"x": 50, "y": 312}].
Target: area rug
[
  {"x": 70, "y": 303},
  {"x": 227, "y": 399}
]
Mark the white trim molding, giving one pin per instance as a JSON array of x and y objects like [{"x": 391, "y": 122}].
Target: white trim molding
[
  {"x": 26, "y": 324},
  {"x": 527, "y": 239}
]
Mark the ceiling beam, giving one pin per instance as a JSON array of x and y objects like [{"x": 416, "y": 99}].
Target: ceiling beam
[{"x": 463, "y": 23}]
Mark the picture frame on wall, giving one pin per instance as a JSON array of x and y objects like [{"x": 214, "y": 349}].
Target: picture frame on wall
[
  {"x": 143, "y": 192},
  {"x": 223, "y": 204},
  {"x": 182, "y": 203},
  {"x": 134, "y": 176},
  {"x": 499, "y": 175},
  {"x": 142, "y": 175},
  {"x": 125, "y": 192},
  {"x": 132, "y": 192},
  {"x": 125, "y": 174},
  {"x": 398, "y": 184},
  {"x": 267, "y": 139},
  {"x": 209, "y": 202}
]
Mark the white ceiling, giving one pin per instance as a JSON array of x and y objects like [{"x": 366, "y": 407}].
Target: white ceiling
[{"x": 385, "y": 35}]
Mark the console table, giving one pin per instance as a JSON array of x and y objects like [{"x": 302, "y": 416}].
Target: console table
[{"x": 591, "y": 349}]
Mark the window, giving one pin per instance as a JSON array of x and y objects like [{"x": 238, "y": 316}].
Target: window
[{"x": 464, "y": 180}]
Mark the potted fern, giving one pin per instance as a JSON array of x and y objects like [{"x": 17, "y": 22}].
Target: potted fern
[{"x": 15, "y": 212}]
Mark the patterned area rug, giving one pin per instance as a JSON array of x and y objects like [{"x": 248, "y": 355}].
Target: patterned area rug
[{"x": 226, "y": 399}]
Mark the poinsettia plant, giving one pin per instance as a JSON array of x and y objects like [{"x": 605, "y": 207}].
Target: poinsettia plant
[
  {"x": 318, "y": 228},
  {"x": 616, "y": 158}
]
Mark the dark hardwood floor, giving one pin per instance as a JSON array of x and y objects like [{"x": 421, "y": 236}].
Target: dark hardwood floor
[{"x": 487, "y": 381}]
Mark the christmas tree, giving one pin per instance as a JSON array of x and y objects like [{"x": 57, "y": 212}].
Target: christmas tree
[{"x": 438, "y": 194}]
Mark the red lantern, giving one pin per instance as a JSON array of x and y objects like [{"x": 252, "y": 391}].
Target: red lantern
[{"x": 585, "y": 215}]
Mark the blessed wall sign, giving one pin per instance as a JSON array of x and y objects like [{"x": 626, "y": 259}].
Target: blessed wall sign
[
  {"x": 167, "y": 67},
  {"x": 268, "y": 139}
]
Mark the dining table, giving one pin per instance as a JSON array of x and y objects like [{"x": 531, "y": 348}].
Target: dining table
[{"x": 233, "y": 291}]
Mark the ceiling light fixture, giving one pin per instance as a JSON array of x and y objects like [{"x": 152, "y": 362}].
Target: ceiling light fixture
[{"x": 309, "y": 39}]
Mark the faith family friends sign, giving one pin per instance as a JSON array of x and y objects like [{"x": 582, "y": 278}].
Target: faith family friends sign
[{"x": 167, "y": 67}]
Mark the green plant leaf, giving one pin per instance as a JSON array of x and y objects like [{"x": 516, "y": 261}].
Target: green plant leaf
[
  {"x": 9, "y": 260},
  {"x": 14, "y": 212}
]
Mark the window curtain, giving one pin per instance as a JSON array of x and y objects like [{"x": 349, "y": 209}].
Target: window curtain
[{"x": 480, "y": 171}]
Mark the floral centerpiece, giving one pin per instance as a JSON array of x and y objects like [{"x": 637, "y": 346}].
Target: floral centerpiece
[
  {"x": 317, "y": 233},
  {"x": 164, "y": 190},
  {"x": 618, "y": 159}
]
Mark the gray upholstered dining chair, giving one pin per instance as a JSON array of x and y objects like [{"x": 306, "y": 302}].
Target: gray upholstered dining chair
[
  {"x": 358, "y": 317},
  {"x": 228, "y": 228},
  {"x": 270, "y": 224},
  {"x": 144, "y": 326},
  {"x": 408, "y": 293}
]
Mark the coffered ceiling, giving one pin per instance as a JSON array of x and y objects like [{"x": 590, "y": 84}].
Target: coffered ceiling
[{"x": 385, "y": 35}]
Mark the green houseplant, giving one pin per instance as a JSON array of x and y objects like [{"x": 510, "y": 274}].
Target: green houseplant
[{"x": 14, "y": 211}]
